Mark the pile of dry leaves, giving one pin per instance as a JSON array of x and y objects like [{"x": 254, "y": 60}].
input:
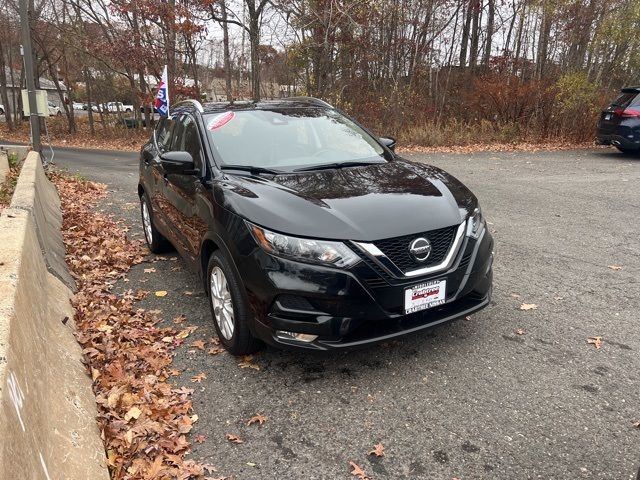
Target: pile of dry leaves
[
  {"x": 107, "y": 137},
  {"x": 143, "y": 419}
]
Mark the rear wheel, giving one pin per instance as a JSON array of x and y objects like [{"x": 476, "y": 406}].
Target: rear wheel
[
  {"x": 155, "y": 240},
  {"x": 229, "y": 309}
]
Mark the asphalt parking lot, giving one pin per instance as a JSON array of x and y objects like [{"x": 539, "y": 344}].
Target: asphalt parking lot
[{"x": 507, "y": 394}]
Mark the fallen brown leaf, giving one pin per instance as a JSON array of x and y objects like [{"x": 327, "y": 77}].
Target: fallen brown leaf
[
  {"x": 149, "y": 270},
  {"x": 199, "y": 344},
  {"x": 520, "y": 331},
  {"x": 528, "y": 306},
  {"x": 595, "y": 341},
  {"x": 234, "y": 438},
  {"x": 357, "y": 471},
  {"x": 259, "y": 419},
  {"x": 216, "y": 350},
  {"x": 179, "y": 319},
  {"x": 134, "y": 412},
  {"x": 615, "y": 267},
  {"x": 378, "y": 450},
  {"x": 161, "y": 293},
  {"x": 199, "y": 438},
  {"x": 247, "y": 362},
  {"x": 199, "y": 377}
]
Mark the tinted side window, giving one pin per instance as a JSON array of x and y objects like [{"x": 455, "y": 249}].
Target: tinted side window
[
  {"x": 635, "y": 102},
  {"x": 190, "y": 140},
  {"x": 164, "y": 134}
]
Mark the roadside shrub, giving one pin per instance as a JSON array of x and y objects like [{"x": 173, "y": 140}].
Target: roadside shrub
[{"x": 577, "y": 104}]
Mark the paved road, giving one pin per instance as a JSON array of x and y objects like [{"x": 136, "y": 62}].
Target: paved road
[{"x": 473, "y": 399}]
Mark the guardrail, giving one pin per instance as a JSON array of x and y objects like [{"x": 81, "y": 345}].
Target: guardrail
[{"x": 47, "y": 408}]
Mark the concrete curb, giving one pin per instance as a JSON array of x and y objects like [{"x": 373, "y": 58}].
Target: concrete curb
[
  {"x": 37, "y": 195},
  {"x": 47, "y": 408},
  {"x": 4, "y": 166}
]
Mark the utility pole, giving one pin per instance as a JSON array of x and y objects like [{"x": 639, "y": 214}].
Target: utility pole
[{"x": 27, "y": 54}]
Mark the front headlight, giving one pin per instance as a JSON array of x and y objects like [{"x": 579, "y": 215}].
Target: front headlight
[
  {"x": 476, "y": 223},
  {"x": 304, "y": 249}
]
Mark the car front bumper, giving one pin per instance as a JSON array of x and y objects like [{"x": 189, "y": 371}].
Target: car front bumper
[{"x": 359, "y": 306}]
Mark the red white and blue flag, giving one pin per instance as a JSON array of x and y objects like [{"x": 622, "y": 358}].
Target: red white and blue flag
[{"x": 161, "y": 103}]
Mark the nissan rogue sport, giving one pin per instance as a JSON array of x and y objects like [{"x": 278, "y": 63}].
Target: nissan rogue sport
[{"x": 308, "y": 231}]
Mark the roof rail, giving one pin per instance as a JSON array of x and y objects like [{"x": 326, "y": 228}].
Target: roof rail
[
  {"x": 195, "y": 103},
  {"x": 313, "y": 100}
]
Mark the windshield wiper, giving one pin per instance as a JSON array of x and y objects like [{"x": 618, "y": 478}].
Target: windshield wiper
[
  {"x": 252, "y": 169},
  {"x": 330, "y": 166}
]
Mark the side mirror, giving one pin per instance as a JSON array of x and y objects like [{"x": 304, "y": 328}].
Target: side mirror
[
  {"x": 180, "y": 163},
  {"x": 388, "y": 142}
]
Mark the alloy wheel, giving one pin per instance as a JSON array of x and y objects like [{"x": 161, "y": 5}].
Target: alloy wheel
[
  {"x": 222, "y": 303},
  {"x": 146, "y": 223}
]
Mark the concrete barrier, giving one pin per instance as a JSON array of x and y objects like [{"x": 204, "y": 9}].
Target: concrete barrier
[
  {"x": 4, "y": 165},
  {"x": 37, "y": 195},
  {"x": 47, "y": 409}
]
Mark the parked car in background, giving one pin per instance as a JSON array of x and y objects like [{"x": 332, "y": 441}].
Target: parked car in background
[
  {"x": 619, "y": 123},
  {"x": 115, "y": 107},
  {"x": 306, "y": 230},
  {"x": 78, "y": 106},
  {"x": 1, "y": 109},
  {"x": 54, "y": 110},
  {"x": 97, "y": 107}
]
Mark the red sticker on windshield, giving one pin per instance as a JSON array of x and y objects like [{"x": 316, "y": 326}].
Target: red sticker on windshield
[{"x": 221, "y": 120}]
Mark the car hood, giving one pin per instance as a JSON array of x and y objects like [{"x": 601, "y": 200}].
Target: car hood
[{"x": 357, "y": 203}]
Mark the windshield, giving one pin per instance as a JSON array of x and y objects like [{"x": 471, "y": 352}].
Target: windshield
[{"x": 289, "y": 138}]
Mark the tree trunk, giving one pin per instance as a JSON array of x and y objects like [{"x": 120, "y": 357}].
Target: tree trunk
[
  {"x": 254, "y": 43},
  {"x": 543, "y": 42},
  {"x": 87, "y": 82},
  {"x": 465, "y": 33},
  {"x": 475, "y": 34},
  {"x": 171, "y": 49},
  {"x": 490, "y": 26},
  {"x": 3, "y": 88},
  {"x": 226, "y": 53}
]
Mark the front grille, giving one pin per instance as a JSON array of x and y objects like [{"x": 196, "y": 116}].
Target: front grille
[{"x": 397, "y": 249}]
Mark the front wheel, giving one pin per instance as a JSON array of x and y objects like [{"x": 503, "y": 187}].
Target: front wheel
[
  {"x": 229, "y": 309},
  {"x": 155, "y": 240}
]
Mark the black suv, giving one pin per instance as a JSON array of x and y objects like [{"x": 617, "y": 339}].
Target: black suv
[
  {"x": 619, "y": 123},
  {"x": 307, "y": 230}
]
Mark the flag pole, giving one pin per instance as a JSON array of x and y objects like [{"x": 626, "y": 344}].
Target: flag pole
[{"x": 166, "y": 79}]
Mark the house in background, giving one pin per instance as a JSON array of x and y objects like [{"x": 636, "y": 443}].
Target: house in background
[{"x": 14, "y": 88}]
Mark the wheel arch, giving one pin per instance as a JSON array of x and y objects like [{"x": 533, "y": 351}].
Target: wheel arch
[{"x": 213, "y": 243}]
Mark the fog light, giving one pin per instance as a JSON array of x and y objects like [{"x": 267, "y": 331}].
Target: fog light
[{"x": 300, "y": 337}]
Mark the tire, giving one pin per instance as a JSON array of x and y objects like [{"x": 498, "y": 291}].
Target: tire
[
  {"x": 1, "y": 111},
  {"x": 233, "y": 311},
  {"x": 628, "y": 151},
  {"x": 156, "y": 242}
]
